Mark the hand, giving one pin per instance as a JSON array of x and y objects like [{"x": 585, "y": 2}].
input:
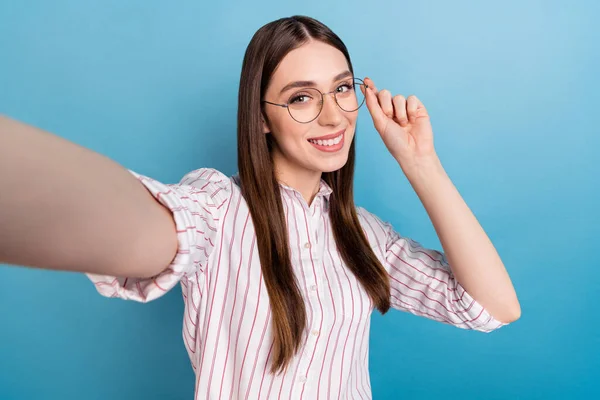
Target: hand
[{"x": 403, "y": 124}]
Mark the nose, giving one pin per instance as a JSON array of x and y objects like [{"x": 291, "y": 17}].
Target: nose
[{"x": 331, "y": 114}]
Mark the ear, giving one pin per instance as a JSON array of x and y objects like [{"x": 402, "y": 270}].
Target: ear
[{"x": 265, "y": 125}]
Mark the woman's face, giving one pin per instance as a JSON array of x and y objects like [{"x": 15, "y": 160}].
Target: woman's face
[{"x": 321, "y": 66}]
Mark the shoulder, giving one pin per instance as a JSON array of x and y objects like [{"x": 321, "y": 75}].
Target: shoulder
[
  {"x": 202, "y": 176},
  {"x": 209, "y": 181},
  {"x": 375, "y": 228},
  {"x": 367, "y": 217}
]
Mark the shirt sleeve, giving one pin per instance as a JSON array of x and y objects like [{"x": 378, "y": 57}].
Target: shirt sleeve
[
  {"x": 196, "y": 204},
  {"x": 422, "y": 282}
]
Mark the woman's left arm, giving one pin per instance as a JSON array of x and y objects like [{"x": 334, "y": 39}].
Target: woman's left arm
[
  {"x": 471, "y": 255},
  {"x": 405, "y": 128}
]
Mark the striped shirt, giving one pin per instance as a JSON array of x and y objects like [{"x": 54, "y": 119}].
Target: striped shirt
[{"x": 227, "y": 321}]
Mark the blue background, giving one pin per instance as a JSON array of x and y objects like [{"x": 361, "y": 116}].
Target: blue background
[{"x": 513, "y": 92}]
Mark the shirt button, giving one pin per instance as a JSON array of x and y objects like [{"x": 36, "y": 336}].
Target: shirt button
[
  {"x": 315, "y": 333},
  {"x": 313, "y": 288},
  {"x": 302, "y": 379},
  {"x": 307, "y": 245}
]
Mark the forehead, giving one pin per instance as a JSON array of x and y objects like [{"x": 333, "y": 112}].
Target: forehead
[{"x": 314, "y": 61}]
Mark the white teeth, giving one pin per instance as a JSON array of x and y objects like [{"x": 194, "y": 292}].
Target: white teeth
[{"x": 329, "y": 142}]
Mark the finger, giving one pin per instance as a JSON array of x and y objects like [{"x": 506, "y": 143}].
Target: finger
[
  {"x": 412, "y": 103},
  {"x": 421, "y": 110},
  {"x": 379, "y": 118},
  {"x": 385, "y": 101},
  {"x": 400, "y": 110},
  {"x": 363, "y": 88},
  {"x": 371, "y": 84}
]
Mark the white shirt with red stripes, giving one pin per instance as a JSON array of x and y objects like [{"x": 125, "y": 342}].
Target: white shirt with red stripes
[{"x": 227, "y": 321}]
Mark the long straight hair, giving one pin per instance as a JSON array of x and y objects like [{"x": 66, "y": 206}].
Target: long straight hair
[{"x": 260, "y": 189}]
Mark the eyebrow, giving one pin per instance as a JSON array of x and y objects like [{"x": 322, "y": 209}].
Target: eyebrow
[{"x": 298, "y": 84}]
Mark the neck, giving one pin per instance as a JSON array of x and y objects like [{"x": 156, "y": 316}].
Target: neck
[
  {"x": 308, "y": 189},
  {"x": 304, "y": 181}
]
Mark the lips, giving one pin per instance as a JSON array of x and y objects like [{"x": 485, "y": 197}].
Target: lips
[
  {"x": 327, "y": 137},
  {"x": 329, "y": 148}
]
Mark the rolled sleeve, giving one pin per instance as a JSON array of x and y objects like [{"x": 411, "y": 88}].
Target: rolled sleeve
[
  {"x": 423, "y": 284},
  {"x": 196, "y": 204},
  {"x": 421, "y": 280}
]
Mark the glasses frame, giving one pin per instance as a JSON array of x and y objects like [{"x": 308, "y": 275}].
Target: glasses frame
[{"x": 286, "y": 105}]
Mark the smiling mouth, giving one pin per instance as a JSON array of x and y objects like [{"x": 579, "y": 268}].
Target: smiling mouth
[
  {"x": 328, "y": 142},
  {"x": 333, "y": 145}
]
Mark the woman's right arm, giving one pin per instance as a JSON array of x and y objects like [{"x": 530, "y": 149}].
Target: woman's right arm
[{"x": 65, "y": 207}]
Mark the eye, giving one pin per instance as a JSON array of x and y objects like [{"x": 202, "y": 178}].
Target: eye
[
  {"x": 300, "y": 98},
  {"x": 345, "y": 87}
]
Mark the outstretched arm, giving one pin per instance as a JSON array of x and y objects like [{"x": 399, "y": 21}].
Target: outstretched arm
[{"x": 65, "y": 207}]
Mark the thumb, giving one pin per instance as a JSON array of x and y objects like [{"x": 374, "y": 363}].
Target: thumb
[{"x": 379, "y": 118}]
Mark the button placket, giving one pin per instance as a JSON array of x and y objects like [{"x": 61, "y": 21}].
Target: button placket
[{"x": 312, "y": 251}]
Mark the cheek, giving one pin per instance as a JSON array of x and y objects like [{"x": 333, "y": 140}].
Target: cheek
[
  {"x": 352, "y": 121},
  {"x": 288, "y": 132},
  {"x": 291, "y": 131},
  {"x": 351, "y": 117}
]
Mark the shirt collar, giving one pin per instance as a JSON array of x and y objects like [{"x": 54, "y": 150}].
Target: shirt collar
[{"x": 324, "y": 189}]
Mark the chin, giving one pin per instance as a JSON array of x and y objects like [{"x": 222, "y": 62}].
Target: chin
[{"x": 333, "y": 165}]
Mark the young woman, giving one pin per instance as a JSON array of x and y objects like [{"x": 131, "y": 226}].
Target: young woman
[{"x": 280, "y": 271}]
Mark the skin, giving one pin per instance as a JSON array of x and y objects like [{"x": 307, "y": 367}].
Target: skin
[
  {"x": 134, "y": 235},
  {"x": 297, "y": 162},
  {"x": 405, "y": 128}
]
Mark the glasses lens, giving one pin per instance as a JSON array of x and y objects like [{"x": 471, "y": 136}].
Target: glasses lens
[
  {"x": 305, "y": 105},
  {"x": 349, "y": 96}
]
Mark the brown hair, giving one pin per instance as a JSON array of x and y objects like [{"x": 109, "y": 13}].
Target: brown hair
[{"x": 260, "y": 188}]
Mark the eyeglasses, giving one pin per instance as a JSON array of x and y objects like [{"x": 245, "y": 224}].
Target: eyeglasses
[{"x": 305, "y": 105}]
